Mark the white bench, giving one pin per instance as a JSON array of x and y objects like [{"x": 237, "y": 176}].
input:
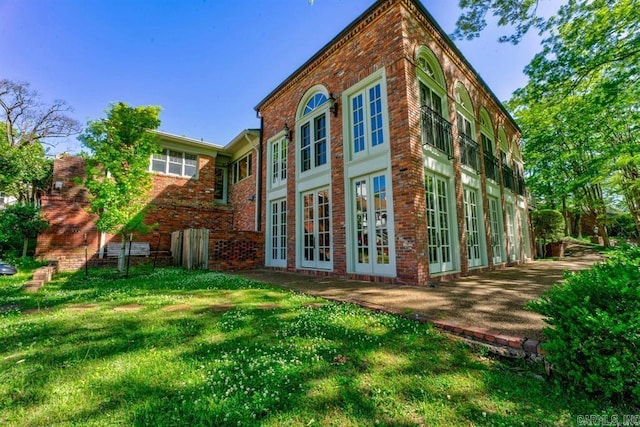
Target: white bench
[{"x": 137, "y": 249}]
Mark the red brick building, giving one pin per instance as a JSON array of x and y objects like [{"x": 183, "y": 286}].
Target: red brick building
[
  {"x": 386, "y": 157},
  {"x": 195, "y": 185}
]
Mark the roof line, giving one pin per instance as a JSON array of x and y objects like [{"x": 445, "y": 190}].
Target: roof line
[{"x": 420, "y": 7}]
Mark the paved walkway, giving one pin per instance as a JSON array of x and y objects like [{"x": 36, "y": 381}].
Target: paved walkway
[{"x": 492, "y": 301}]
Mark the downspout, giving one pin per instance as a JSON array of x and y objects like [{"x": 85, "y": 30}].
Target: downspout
[{"x": 259, "y": 180}]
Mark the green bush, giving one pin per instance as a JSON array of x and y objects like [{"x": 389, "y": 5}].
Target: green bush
[
  {"x": 594, "y": 338},
  {"x": 548, "y": 225}
]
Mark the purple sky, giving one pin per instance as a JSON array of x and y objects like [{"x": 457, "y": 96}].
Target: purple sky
[{"x": 207, "y": 63}]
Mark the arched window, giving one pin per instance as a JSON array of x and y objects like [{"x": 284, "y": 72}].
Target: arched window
[
  {"x": 466, "y": 128},
  {"x": 436, "y": 130},
  {"x": 312, "y": 141}
]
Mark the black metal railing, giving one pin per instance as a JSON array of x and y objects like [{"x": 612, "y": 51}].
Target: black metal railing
[
  {"x": 469, "y": 150},
  {"x": 507, "y": 178},
  {"x": 520, "y": 185},
  {"x": 491, "y": 167},
  {"x": 436, "y": 131}
]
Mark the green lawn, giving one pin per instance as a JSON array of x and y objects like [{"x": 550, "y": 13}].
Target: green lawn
[{"x": 199, "y": 348}]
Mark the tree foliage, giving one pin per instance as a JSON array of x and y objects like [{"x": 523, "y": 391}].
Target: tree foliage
[
  {"x": 117, "y": 176},
  {"x": 578, "y": 112},
  {"x": 29, "y": 121},
  {"x": 19, "y": 223}
]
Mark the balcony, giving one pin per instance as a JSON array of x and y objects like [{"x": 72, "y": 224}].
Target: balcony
[
  {"x": 507, "y": 178},
  {"x": 520, "y": 185},
  {"x": 469, "y": 150},
  {"x": 491, "y": 167},
  {"x": 436, "y": 131}
]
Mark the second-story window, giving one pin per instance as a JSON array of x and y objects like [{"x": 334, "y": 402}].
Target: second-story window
[
  {"x": 313, "y": 134},
  {"x": 172, "y": 162},
  {"x": 279, "y": 162},
  {"x": 241, "y": 169},
  {"x": 367, "y": 120}
]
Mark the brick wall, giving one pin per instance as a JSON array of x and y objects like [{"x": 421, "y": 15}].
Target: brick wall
[
  {"x": 388, "y": 38},
  {"x": 175, "y": 203},
  {"x": 236, "y": 251},
  {"x": 243, "y": 198}
]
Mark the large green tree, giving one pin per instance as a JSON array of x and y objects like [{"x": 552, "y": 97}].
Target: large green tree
[
  {"x": 579, "y": 109},
  {"x": 117, "y": 177}
]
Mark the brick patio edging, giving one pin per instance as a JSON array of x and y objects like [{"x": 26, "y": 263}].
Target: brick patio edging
[{"x": 497, "y": 341}]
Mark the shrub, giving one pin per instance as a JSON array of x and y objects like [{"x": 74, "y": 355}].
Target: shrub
[
  {"x": 548, "y": 225},
  {"x": 594, "y": 338}
]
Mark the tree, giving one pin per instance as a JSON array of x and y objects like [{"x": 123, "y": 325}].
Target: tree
[
  {"x": 29, "y": 121},
  {"x": 117, "y": 176},
  {"x": 25, "y": 171},
  {"x": 23, "y": 221},
  {"x": 578, "y": 112}
]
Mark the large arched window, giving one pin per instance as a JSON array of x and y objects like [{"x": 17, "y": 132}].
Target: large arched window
[
  {"x": 466, "y": 128},
  {"x": 505, "y": 157},
  {"x": 312, "y": 132},
  {"x": 436, "y": 130}
]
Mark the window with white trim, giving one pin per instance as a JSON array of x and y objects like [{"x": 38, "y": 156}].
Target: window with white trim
[
  {"x": 173, "y": 162},
  {"x": 241, "y": 168},
  {"x": 313, "y": 134},
  {"x": 316, "y": 229},
  {"x": 220, "y": 184},
  {"x": 367, "y": 120},
  {"x": 279, "y": 162}
]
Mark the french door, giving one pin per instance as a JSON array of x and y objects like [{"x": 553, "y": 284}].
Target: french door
[
  {"x": 316, "y": 230},
  {"x": 496, "y": 231},
  {"x": 278, "y": 234},
  {"x": 438, "y": 224},
  {"x": 374, "y": 249},
  {"x": 472, "y": 223}
]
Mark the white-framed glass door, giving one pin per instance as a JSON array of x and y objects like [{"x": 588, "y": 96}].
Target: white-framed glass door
[
  {"x": 472, "y": 222},
  {"x": 316, "y": 230},
  {"x": 496, "y": 234},
  {"x": 374, "y": 248},
  {"x": 511, "y": 232},
  {"x": 438, "y": 224},
  {"x": 277, "y": 250}
]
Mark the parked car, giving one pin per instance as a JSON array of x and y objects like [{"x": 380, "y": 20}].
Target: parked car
[{"x": 6, "y": 269}]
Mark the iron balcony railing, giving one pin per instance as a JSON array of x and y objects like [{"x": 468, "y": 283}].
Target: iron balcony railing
[
  {"x": 469, "y": 150},
  {"x": 436, "y": 131},
  {"x": 507, "y": 178},
  {"x": 520, "y": 185},
  {"x": 491, "y": 167}
]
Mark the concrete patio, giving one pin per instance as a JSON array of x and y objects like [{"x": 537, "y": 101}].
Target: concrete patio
[{"x": 492, "y": 301}]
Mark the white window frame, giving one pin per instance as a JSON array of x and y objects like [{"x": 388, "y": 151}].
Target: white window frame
[
  {"x": 278, "y": 162},
  {"x": 479, "y": 230},
  {"x": 165, "y": 157},
  {"x": 224, "y": 173},
  {"x": 316, "y": 263},
  {"x": 236, "y": 170},
  {"x": 277, "y": 218},
  {"x": 373, "y": 139},
  {"x": 310, "y": 118}
]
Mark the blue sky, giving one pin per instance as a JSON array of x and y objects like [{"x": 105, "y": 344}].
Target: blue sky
[{"x": 207, "y": 63}]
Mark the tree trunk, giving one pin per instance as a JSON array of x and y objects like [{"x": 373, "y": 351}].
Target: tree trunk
[
  {"x": 25, "y": 245},
  {"x": 122, "y": 254}
]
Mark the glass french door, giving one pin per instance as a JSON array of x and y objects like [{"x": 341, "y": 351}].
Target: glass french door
[
  {"x": 374, "y": 252},
  {"x": 438, "y": 224},
  {"x": 496, "y": 231},
  {"x": 473, "y": 227},
  {"x": 316, "y": 232},
  {"x": 511, "y": 233},
  {"x": 278, "y": 234}
]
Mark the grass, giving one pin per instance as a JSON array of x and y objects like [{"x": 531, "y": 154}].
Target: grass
[{"x": 200, "y": 348}]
